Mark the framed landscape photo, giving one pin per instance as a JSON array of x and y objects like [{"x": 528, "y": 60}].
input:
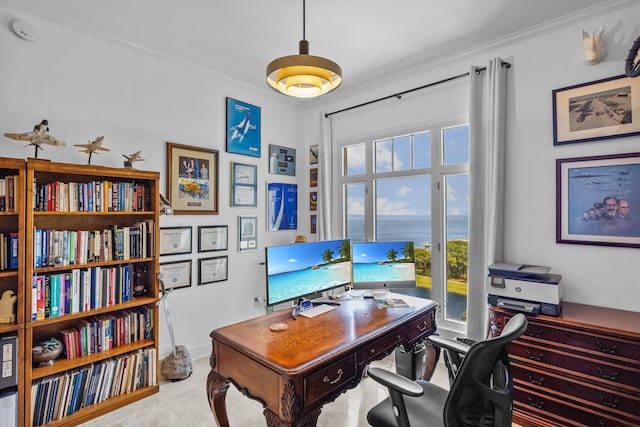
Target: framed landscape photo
[
  {"x": 602, "y": 109},
  {"x": 192, "y": 179},
  {"x": 213, "y": 238},
  {"x": 175, "y": 240},
  {"x": 244, "y": 184},
  {"x": 212, "y": 270},
  {"x": 247, "y": 233},
  {"x": 176, "y": 274},
  {"x": 243, "y": 128},
  {"x": 598, "y": 200}
]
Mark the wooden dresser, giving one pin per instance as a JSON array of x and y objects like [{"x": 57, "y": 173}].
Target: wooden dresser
[{"x": 578, "y": 369}]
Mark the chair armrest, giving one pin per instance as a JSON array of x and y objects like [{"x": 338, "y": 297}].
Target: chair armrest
[
  {"x": 449, "y": 344},
  {"x": 395, "y": 382}
]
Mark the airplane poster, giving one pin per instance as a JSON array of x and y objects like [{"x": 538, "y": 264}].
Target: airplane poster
[{"x": 243, "y": 128}]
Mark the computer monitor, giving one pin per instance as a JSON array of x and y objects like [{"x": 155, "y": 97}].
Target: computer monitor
[
  {"x": 383, "y": 265},
  {"x": 298, "y": 270}
]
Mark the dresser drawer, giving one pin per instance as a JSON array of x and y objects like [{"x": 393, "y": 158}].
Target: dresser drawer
[
  {"x": 333, "y": 377},
  {"x": 384, "y": 344},
  {"x": 421, "y": 327},
  {"x": 598, "y": 397}
]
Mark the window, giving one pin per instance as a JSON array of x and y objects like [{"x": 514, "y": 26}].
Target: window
[{"x": 415, "y": 187}]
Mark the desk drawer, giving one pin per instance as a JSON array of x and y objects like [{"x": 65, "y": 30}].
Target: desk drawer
[
  {"x": 421, "y": 327},
  {"x": 333, "y": 377},
  {"x": 382, "y": 345}
]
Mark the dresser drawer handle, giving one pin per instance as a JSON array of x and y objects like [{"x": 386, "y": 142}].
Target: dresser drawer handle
[
  {"x": 372, "y": 351},
  {"x": 327, "y": 380},
  {"x": 612, "y": 350},
  {"x": 537, "y": 357},
  {"x": 539, "y": 381},
  {"x": 612, "y": 377},
  {"x": 613, "y": 404},
  {"x": 537, "y": 405},
  {"x": 535, "y": 334},
  {"x": 423, "y": 327}
]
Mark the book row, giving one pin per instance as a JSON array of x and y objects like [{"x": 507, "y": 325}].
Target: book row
[
  {"x": 80, "y": 290},
  {"x": 9, "y": 193},
  {"x": 61, "y": 395},
  {"x": 77, "y": 247},
  {"x": 94, "y": 196},
  {"x": 8, "y": 251},
  {"x": 108, "y": 331}
]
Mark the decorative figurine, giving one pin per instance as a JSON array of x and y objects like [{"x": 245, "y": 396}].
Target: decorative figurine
[
  {"x": 6, "y": 306},
  {"x": 92, "y": 147},
  {"x": 135, "y": 157},
  {"x": 46, "y": 353},
  {"x": 39, "y": 136}
]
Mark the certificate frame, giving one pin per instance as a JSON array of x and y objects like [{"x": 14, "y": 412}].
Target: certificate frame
[
  {"x": 213, "y": 269},
  {"x": 175, "y": 240},
  {"x": 244, "y": 184},
  {"x": 176, "y": 274},
  {"x": 247, "y": 233},
  {"x": 213, "y": 238}
]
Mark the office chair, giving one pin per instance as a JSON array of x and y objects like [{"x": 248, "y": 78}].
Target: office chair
[{"x": 481, "y": 393}]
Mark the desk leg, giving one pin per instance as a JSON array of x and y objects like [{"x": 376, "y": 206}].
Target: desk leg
[
  {"x": 433, "y": 354},
  {"x": 309, "y": 420},
  {"x": 217, "y": 387}
]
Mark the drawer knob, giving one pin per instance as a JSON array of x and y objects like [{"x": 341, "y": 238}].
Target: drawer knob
[
  {"x": 422, "y": 327},
  {"x": 613, "y": 376},
  {"x": 372, "y": 351},
  {"x": 327, "y": 380},
  {"x": 613, "y": 404},
  {"x": 610, "y": 350}
]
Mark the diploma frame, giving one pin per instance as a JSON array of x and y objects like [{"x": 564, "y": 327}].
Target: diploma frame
[
  {"x": 214, "y": 269},
  {"x": 213, "y": 238},
  {"x": 176, "y": 274},
  {"x": 175, "y": 240},
  {"x": 244, "y": 184}
]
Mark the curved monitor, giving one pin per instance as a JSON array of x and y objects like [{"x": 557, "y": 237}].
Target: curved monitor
[
  {"x": 382, "y": 265},
  {"x": 298, "y": 270}
]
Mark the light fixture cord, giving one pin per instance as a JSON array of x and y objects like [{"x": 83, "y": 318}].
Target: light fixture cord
[{"x": 304, "y": 3}]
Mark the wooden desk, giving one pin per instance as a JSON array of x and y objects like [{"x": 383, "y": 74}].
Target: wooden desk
[{"x": 296, "y": 371}]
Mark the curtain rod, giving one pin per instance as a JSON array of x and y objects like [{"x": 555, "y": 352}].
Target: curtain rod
[{"x": 399, "y": 94}]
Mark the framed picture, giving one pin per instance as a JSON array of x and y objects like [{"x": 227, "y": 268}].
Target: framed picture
[
  {"x": 244, "y": 184},
  {"x": 598, "y": 200},
  {"x": 176, "y": 274},
  {"x": 313, "y": 177},
  {"x": 175, "y": 240},
  {"x": 282, "y": 206},
  {"x": 313, "y": 201},
  {"x": 243, "y": 128},
  {"x": 602, "y": 109},
  {"x": 313, "y": 154},
  {"x": 192, "y": 179},
  {"x": 247, "y": 233},
  {"x": 282, "y": 160},
  {"x": 214, "y": 269},
  {"x": 313, "y": 226},
  {"x": 213, "y": 238}
]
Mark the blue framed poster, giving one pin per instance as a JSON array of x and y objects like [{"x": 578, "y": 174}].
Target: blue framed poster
[
  {"x": 282, "y": 206},
  {"x": 243, "y": 128}
]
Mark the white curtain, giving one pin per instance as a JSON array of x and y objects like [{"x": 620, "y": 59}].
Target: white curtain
[
  {"x": 325, "y": 181},
  {"x": 487, "y": 128}
]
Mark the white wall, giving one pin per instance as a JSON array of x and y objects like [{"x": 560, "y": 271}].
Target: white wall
[{"x": 548, "y": 59}]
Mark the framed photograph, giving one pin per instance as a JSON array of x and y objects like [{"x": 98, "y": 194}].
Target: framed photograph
[
  {"x": 313, "y": 154},
  {"x": 313, "y": 226},
  {"x": 282, "y": 206},
  {"x": 244, "y": 184},
  {"x": 313, "y": 177},
  {"x": 602, "y": 109},
  {"x": 214, "y": 269},
  {"x": 175, "y": 240},
  {"x": 176, "y": 274},
  {"x": 598, "y": 200},
  {"x": 247, "y": 233},
  {"x": 213, "y": 238},
  {"x": 192, "y": 179},
  {"x": 243, "y": 128},
  {"x": 282, "y": 160},
  {"x": 313, "y": 201}
]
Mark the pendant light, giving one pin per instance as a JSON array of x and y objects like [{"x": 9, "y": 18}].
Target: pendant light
[{"x": 303, "y": 75}]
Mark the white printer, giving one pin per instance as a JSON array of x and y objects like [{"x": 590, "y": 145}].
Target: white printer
[{"x": 527, "y": 288}]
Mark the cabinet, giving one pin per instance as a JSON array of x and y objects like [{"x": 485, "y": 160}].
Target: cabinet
[
  {"x": 578, "y": 369},
  {"x": 90, "y": 263},
  {"x": 12, "y": 342}
]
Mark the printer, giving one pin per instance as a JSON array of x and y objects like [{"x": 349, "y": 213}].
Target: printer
[{"x": 527, "y": 288}]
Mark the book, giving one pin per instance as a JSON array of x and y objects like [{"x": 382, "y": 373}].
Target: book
[
  {"x": 391, "y": 302},
  {"x": 9, "y": 408}
]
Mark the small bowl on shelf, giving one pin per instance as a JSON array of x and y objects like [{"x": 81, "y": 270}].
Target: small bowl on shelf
[{"x": 46, "y": 353}]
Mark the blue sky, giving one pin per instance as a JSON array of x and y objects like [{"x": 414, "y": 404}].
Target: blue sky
[
  {"x": 281, "y": 259},
  {"x": 375, "y": 251}
]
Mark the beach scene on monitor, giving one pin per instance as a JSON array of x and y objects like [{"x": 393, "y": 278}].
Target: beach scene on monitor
[
  {"x": 383, "y": 261},
  {"x": 297, "y": 270}
]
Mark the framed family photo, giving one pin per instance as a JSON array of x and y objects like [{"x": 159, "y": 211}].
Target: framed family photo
[
  {"x": 244, "y": 184},
  {"x": 192, "y": 179},
  {"x": 598, "y": 200},
  {"x": 602, "y": 109},
  {"x": 243, "y": 128}
]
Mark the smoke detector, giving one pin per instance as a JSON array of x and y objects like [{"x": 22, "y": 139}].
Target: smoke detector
[{"x": 24, "y": 30}]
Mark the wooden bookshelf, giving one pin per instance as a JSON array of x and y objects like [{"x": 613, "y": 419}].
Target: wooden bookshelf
[{"x": 79, "y": 199}]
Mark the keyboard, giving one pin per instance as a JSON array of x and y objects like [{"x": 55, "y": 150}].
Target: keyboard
[{"x": 317, "y": 310}]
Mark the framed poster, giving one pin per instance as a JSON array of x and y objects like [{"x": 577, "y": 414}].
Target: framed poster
[
  {"x": 602, "y": 109},
  {"x": 176, "y": 274},
  {"x": 282, "y": 206},
  {"x": 192, "y": 179},
  {"x": 282, "y": 160},
  {"x": 213, "y": 270},
  {"x": 598, "y": 200},
  {"x": 213, "y": 238},
  {"x": 243, "y": 128},
  {"x": 313, "y": 177},
  {"x": 247, "y": 233},
  {"x": 175, "y": 240},
  {"x": 244, "y": 183},
  {"x": 313, "y": 154}
]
